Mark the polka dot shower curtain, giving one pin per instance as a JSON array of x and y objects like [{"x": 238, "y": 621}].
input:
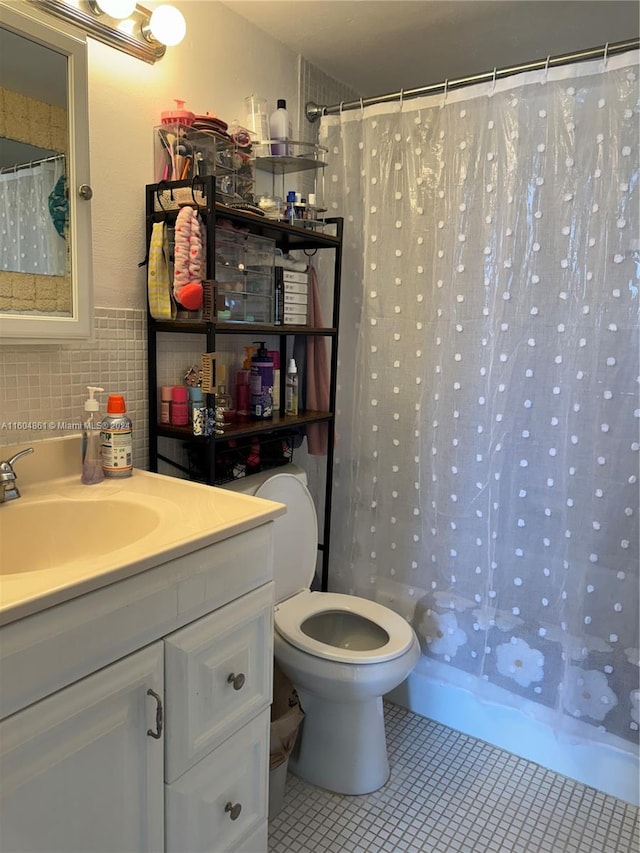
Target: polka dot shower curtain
[
  {"x": 27, "y": 205},
  {"x": 487, "y": 456}
]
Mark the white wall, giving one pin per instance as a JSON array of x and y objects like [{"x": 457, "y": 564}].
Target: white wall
[{"x": 222, "y": 59}]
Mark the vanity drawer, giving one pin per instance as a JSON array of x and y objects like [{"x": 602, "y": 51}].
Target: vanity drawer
[
  {"x": 218, "y": 675},
  {"x": 201, "y": 808}
]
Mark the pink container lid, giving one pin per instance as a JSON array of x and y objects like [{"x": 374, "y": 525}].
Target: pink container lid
[
  {"x": 179, "y": 394},
  {"x": 177, "y": 116}
]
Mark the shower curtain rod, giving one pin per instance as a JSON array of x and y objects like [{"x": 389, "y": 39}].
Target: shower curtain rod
[
  {"x": 28, "y": 165},
  {"x": 315, "y": 111}
]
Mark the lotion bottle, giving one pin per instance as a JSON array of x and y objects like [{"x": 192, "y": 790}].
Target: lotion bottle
[
  {"x": 279, "y": 129},
  {"x": 91, "y": 452}
]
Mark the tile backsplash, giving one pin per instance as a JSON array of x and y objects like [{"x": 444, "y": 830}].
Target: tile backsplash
[{"x": 43, "y": 386}]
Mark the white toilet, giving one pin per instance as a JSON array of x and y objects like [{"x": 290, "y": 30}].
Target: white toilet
[{"x": 341, "y": 652}]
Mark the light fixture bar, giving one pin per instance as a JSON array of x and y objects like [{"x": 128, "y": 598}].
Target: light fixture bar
[{"x": 109, "y": 30}]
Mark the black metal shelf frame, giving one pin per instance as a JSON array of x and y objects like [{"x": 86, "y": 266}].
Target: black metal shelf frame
[{"x": 287, "y": 238}]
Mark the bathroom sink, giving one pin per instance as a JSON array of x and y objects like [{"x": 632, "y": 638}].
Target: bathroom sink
[
  {"x": 62, "y": 539},
  {"x": 47, "y": 534}
]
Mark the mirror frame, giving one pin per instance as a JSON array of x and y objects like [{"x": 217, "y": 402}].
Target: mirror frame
[{"x": 16, "y": 328}]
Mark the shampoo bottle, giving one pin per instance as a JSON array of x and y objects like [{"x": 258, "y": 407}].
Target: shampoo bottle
[
  {"x": 116, "y": 439},
  {"x": 291, "y": 395},
  {"x": 261, "y": 384},
  {"x": 91, "y": 451},
  {"x": 279, "y": 129}
]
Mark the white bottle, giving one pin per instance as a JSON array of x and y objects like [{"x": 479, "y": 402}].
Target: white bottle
[
  {"x": 291, "y": 395},
  {"x": 279, "y": 129}
]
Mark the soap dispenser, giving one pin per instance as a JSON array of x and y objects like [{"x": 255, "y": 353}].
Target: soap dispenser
[{"x": 91, "y": 448}]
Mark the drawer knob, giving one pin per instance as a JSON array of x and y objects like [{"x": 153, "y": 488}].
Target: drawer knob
[
  {"x": 234, "y": 810},
  {"x": 237, "y": 681}
]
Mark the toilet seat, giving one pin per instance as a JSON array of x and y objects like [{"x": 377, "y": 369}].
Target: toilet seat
[
  {"x": 294, "y": 560},
  {"x": 292, "y": 613}
]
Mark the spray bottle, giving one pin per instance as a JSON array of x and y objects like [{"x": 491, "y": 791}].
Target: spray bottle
[
  {"x": 291, "y": 395},
  {"x": 116, "y": 439},
  {"x": 261, "y": 384},
  {"x": 91, "y": 451}
]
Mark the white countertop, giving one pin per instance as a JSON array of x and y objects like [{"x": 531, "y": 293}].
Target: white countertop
[{"x": 192, "y": 517}]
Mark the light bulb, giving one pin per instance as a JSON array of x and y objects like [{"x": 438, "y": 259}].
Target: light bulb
[
  {"x": 118, "y": 9},
  {"x": 167, "y": 25}
]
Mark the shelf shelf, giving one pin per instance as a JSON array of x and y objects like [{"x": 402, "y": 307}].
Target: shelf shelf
[
  {"x": 283, "y": 233},
  {"x": 243, "y": 428},
  {"x": 204, "y": 327},
  {"x": 286, "y": 165}
]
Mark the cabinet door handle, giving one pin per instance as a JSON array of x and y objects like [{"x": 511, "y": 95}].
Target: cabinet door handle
[
  {"x": 158, "y": 731},
  {"x": 234, "y": 810},
  {"x": 237, "y": 680}
]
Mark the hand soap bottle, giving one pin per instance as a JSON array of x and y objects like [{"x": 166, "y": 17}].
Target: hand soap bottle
[{"x": 91, "y": 451}]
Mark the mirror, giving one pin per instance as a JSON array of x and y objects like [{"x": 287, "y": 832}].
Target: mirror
[{"x": 45, "y": 226}]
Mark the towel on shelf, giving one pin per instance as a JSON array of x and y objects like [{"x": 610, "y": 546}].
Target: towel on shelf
[
  {"x": 317, "y": 373},
  {"x": 188, "y": 267},
  {"x": 161, "y": 305}
]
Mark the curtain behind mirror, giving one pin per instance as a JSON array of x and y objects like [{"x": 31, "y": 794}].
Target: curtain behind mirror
[{"x": 34, "y": 218}]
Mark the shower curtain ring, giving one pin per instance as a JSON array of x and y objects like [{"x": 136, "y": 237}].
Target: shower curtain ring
[
  {"x": 605, "y": 57},
  {"x": 341, "y": 106},
  {"x": 546, "y": 69},
  {"x": 362, "y": 107},
  {"x": 446, "y": 90},
  {"x": 401, "y": 98},
  {"x": 493, "y": 82}
]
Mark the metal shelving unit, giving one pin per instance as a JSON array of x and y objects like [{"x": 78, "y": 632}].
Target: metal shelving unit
[{"x": 201, "y": 193}]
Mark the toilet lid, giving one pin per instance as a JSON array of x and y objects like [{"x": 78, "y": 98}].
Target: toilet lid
[{"x": 295, "y": 547}]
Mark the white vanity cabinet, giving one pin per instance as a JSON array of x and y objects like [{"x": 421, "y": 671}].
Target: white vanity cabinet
[
  {"x": 218, "y": 686},
  {"x": 183, "y": 651},
  {"x": 79, "y": 772}
]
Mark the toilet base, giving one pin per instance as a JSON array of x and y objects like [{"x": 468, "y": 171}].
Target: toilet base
[{"x": 342, "y": 746}]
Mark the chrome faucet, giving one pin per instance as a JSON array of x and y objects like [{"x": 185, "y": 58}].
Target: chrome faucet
[{"x": 8, "y": 489}]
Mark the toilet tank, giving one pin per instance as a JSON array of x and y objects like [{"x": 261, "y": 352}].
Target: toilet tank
[
  {"x": 250, "y": 485},
  {"x": 295, "y": 541}
]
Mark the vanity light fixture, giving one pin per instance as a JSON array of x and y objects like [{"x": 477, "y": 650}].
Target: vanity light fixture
[
  {"x": 123, "y": 24},
  {"x": 118, "y": 9}
]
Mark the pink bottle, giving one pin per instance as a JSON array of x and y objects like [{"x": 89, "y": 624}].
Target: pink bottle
[{"x": 179, "y": 408}]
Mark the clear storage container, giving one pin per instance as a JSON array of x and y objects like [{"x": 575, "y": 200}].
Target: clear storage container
[
  {"x": 244, "y": 277},
  {"x": 182, "y": 153}
]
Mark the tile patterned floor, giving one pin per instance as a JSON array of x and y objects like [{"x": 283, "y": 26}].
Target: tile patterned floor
[{"x": 450, "y": 793}]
